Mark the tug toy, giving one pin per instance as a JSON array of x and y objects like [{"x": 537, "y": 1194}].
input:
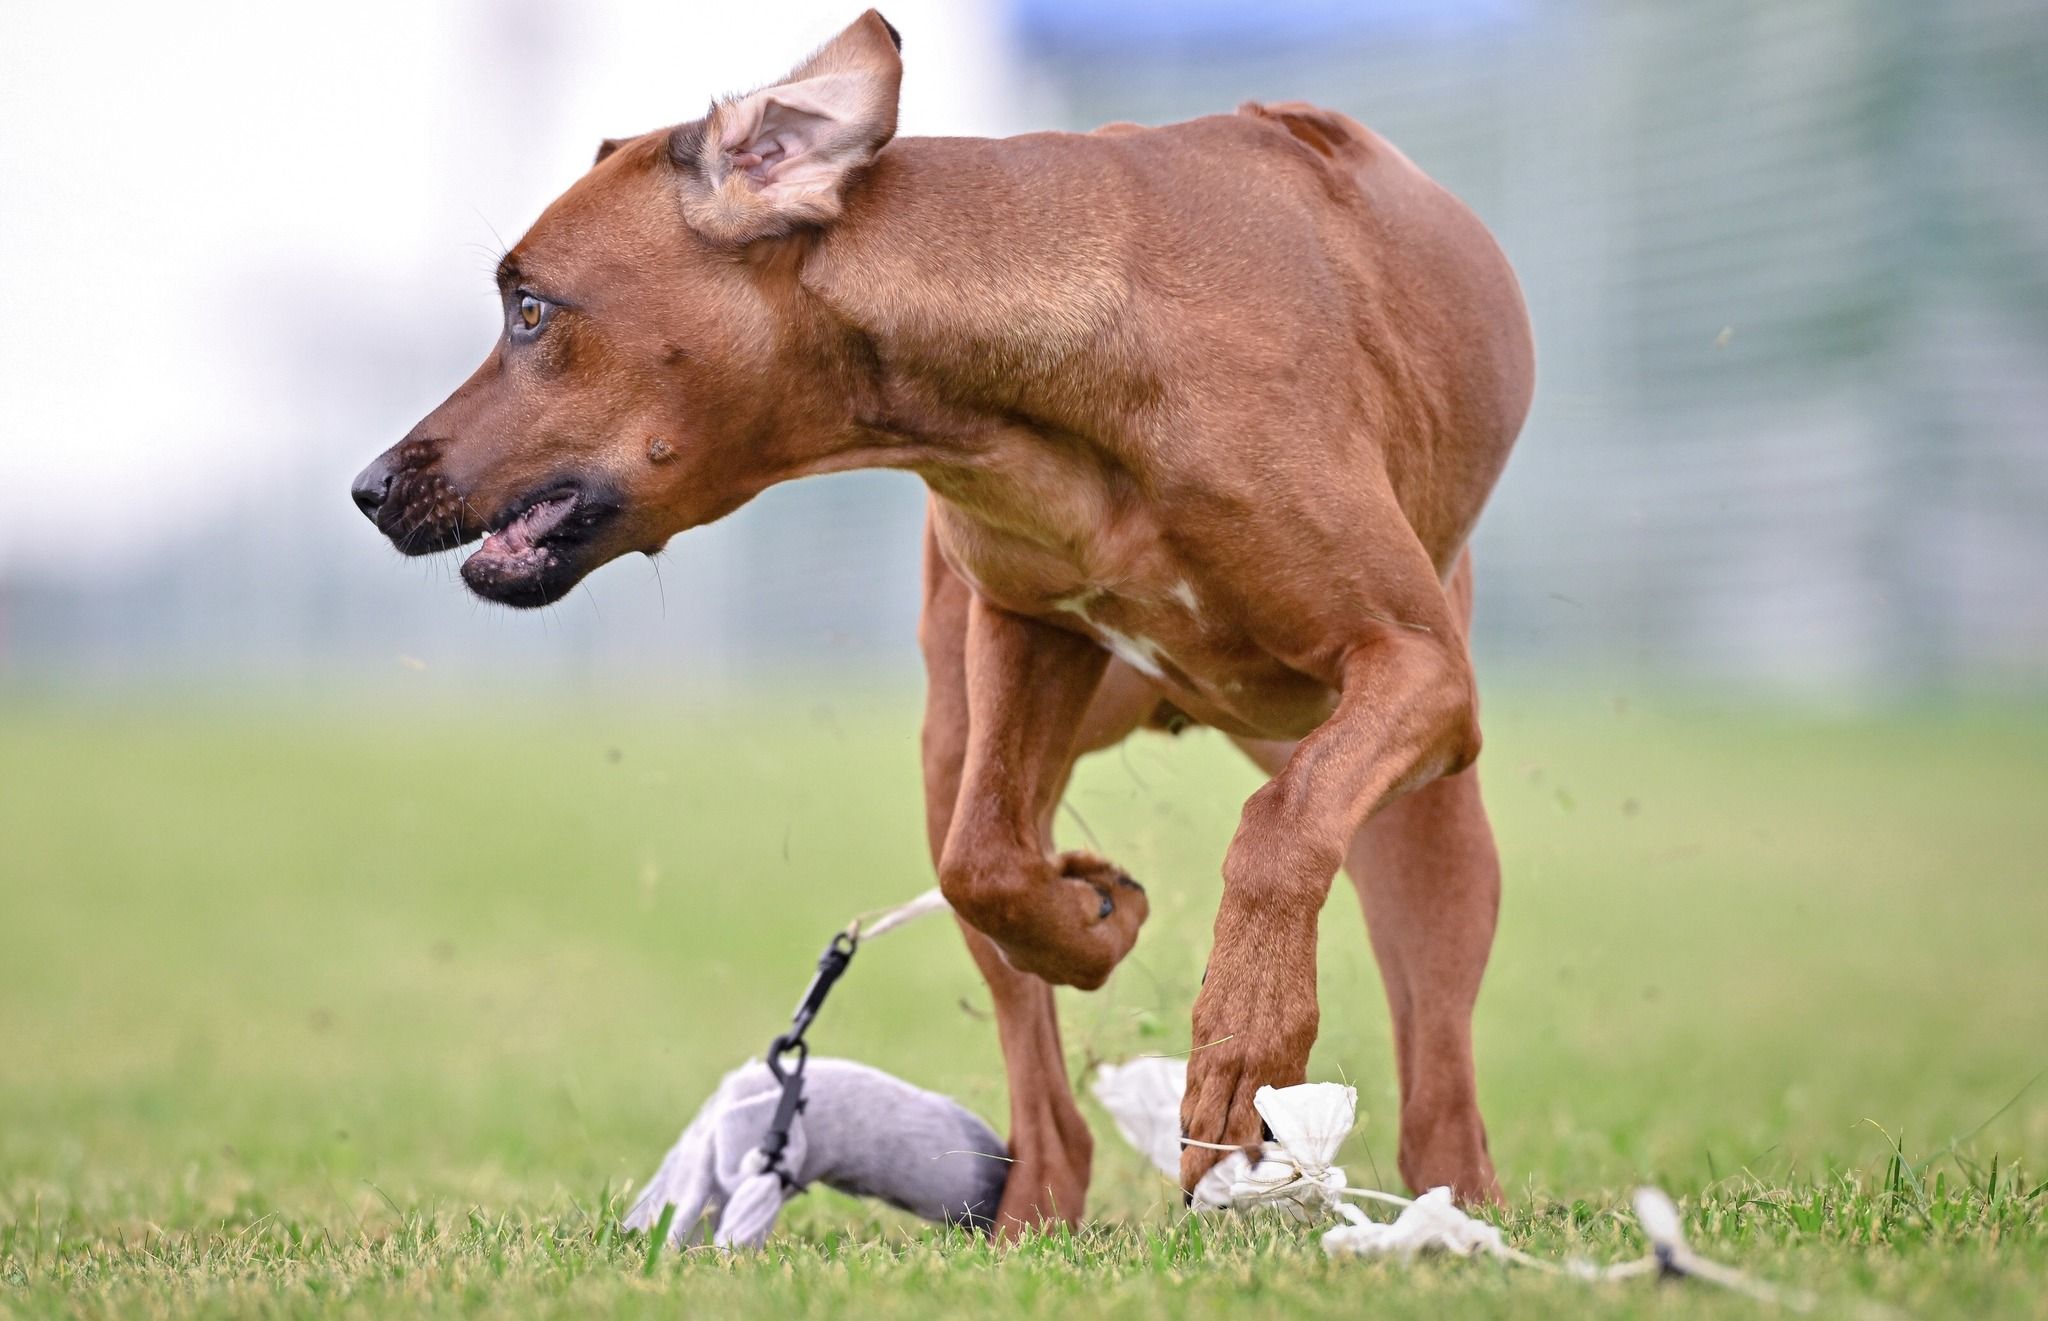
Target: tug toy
[
  {"x": 856, "y": 1129},
  {"x": 777, "y": 1125}
]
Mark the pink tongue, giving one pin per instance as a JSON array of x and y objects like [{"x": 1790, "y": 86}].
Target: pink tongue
[{"x": 520, "y": 534}]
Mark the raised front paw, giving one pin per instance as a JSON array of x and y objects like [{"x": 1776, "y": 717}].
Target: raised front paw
[
  {"x": 1069, "y": 919},
  {"x": 1255, "y": 1021},
  {"x": 1087, "y": 920}
]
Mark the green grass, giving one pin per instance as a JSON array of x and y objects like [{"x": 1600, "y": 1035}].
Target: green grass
[{"x": 331, "y": 1011}]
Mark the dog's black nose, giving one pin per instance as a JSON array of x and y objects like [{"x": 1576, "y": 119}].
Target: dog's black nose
[{"x": 373, "y": 484}]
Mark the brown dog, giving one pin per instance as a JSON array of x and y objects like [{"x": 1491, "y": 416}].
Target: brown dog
[{"x": 1207, "y": 413}]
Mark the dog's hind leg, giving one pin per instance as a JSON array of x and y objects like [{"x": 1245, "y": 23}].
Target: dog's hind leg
[
  {"x": 1428, "y": 878},
  {"x": 1050, "y": 1147}
]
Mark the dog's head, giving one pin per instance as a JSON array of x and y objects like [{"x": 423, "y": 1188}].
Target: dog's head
[{"x": 652, "y": 373}]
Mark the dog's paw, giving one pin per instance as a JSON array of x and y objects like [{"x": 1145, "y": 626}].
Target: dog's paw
[
  {"x": 1254, "y": 1023},
  {"x": 1087, "y": 920},
  {"x": 1116, "y": 892},
  {"x": 1068, "y": 919},
  {"x": 1443, "y": 1144},
  {"x": 1045, "y": 1187}
]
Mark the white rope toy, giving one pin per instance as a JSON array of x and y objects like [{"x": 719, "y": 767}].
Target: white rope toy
[
  {"x": 870, "y": 925},
  {"x": 1296, "y": 1173}
]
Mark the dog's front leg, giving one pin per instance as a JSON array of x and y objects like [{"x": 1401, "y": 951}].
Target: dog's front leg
[
  {"x": 1051, "y": 1151},
  {"x": 1071, "y": 917},
  {"x": 1405, "y": 716}
]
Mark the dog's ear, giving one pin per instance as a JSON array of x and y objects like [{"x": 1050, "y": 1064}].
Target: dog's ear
[
  {"x": 606, "y": 148},
  {"x": 768, "y": 162}
]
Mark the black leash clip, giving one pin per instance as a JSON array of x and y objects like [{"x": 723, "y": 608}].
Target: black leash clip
[{"x": 831, "y": 965}]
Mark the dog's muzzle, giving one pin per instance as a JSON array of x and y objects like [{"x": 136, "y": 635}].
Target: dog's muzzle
[{"x": 418, "y": 509}]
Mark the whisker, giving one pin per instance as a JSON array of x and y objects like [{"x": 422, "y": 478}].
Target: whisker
[{"x": 503, "y": 247}]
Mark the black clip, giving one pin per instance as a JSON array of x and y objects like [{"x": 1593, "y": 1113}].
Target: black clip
[
  {"x": 831, "y": 964},
  {"x": 776, "y": 1139}
]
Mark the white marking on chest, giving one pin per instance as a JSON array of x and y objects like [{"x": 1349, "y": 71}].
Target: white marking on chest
[
  {"x": 1077, "y": 604},
  {"x": 1141, "y": 654},
  {"x": 1184, "y": 592}
]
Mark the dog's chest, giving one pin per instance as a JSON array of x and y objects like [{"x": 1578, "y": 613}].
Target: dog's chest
[
  {"x": 1115, "y": 580},
  {"x": 1125, "y": 588}
]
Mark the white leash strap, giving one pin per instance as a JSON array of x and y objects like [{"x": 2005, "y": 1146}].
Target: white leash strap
[{"x": 871, "y": 924}]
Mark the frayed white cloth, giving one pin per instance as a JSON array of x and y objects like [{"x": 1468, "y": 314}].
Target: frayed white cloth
[
  {"x": 1430, "y": 1223},
  {"x": 1295, "y": 1172},
  {"x": 1143, "y": 1100}
]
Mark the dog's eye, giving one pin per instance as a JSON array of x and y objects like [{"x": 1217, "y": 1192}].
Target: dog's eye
[{"x": 531, "y": 310}]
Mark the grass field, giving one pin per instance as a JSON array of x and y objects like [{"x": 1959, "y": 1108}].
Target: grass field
[{"x": 326, "y": 1012}]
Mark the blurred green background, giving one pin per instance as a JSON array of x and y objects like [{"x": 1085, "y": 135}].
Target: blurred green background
[
  {"x": 497, "y": 956},
  {"x": 332, "y": 902}
]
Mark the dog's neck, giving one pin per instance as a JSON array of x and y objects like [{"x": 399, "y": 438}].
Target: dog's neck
[{"x": 951, "y": 334}]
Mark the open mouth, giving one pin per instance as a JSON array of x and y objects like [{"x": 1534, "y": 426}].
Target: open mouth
[{"x": 528, "y": 557}]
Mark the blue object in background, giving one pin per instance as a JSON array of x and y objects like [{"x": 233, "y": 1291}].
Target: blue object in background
[{"x": 1076, "y": 25}]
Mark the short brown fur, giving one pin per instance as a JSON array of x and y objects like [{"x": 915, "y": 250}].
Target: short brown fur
[{"x": 1207, "y": 413}]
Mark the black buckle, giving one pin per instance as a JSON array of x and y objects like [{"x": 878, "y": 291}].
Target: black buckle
[{"x": 831, "y": 965}]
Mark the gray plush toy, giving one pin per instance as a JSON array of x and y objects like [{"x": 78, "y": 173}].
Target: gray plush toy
[{"x": 860, "y": 1131}]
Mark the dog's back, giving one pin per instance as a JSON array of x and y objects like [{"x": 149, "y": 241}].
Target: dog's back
[
  {"x": 1445, "y": 280},
  {"x": 1201, "y": 268}
]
